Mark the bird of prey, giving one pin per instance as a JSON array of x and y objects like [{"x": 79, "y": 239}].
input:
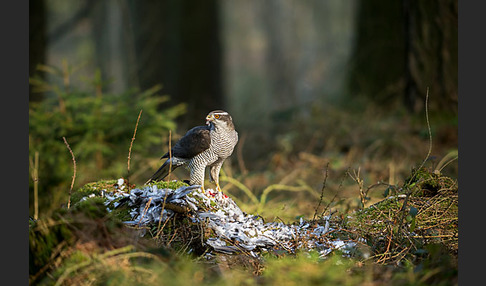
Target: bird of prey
[{"x": 201, "y": 147}]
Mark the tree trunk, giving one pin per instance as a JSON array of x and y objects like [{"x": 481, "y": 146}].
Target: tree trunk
[
  {"x": 404, "y": 48},
  {"x": 178, "y": 45},
  {"x": 378, "y": 60},
  {"x": 37, "y": 40},
  {"x": 432, "y": 54},
  {"x": 111, "y": 35}
]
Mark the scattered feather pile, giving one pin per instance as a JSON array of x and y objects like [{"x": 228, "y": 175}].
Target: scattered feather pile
[{"x": 234, "y": 230}]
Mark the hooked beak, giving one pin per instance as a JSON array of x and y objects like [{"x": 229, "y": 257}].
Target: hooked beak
[{"x": 209, "y": 119}]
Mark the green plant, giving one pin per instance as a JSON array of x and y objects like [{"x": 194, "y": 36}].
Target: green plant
[
  {"x": 309, "y": 269},
  {"x": 98, "y": 126}
]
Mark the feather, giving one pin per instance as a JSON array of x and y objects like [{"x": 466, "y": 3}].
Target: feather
[{"x": 192, "y": 143}]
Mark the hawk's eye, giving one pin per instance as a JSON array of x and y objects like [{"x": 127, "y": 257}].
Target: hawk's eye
[{"x": 217, "y": 116}]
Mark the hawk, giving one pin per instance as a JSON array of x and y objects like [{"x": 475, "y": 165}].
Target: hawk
[{"x": 201, "y": 147}]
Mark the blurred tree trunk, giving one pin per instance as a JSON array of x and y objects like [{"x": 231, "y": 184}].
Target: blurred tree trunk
[
  {"x": 431, "y": 56},
  {"x": 279, "y": 62},
  {"x": 37, "y": 40},
  {"x": 178, "y": 44},
  {"x": 378, "y": 59},
  {"x": 111, "y": 35},
  {"x": 403, "y": 47}
]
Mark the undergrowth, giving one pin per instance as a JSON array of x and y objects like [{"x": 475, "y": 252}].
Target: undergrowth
[
  {"x": 98, "y": 127},
  {"x": 405, "y": 222},
  {"x": 410, "y": 237}
]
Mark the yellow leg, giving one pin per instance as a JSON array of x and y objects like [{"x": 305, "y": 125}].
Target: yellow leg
[{"x": 218, "y": 187}]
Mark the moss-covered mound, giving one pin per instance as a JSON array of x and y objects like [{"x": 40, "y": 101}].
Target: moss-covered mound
[
  {"x": 422, "y": 212},
  {"x": 116, "y": 232}
]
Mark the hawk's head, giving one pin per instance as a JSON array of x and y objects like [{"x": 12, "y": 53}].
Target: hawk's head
[{"x": 220, "y": 118}]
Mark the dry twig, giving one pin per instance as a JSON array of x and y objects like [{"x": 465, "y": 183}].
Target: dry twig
[
  {"x": 362, "y": 192},
  {"x": 170, "y": 155},
  {"x": 35, "y": 177},
  {"x": 74, "y": 173},
  {"x": 322, "y": 191},
  {"x": 130, "y": 149},
  {"x": 335, "y": 195},
  {"x": 402, "y": 210}
]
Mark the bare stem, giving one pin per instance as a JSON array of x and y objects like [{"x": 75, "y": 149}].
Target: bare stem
[
  {"x": 130, "y": 149},
  {"x": 159, "y": 229},
  {"x": 322, "y": 191},
  {"x": 170, "y": 155},
  {"x": 360, "y": 182},
  {"x": 409, "y": 191},
  {"x": 36, "y": 185},
  {"x": 430, "y": 135},
  {"x": 335, "y": 195},
  {"x": 74, "y": 172}
]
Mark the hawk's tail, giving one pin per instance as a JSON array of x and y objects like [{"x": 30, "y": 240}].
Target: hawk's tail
[{"x": 163, "y": 171}]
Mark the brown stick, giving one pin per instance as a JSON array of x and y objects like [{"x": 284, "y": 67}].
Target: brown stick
[
  {"x": 74, "y": 173},
  {"x": 36, "y": 185},
  {"x": 170, "y": 155},
  {"x": 145, "y": 209},
  {"x": 176, "y": 208},
  {"x": 322, "y": 192},
  {"x": 335, "y": 195},
  {"x": 130, "y": 149},
  {"x": 409, "y": 191},
  {"x": 159, "y": 229}
]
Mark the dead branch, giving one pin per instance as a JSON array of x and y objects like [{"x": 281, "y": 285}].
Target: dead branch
[
  {"x": 130, "y": 150},
  {"x": 74, "y": 172}
]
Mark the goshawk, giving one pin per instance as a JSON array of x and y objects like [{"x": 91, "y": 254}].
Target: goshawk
[{"x": 201, "y": 147}]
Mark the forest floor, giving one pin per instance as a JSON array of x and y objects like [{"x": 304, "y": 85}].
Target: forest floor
[
  {"x": 390, "y": 187},
  {"x": 408, "y": 237}
]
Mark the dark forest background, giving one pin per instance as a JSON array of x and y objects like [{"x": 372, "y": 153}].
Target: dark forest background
[{"x": 307, "y": 82}]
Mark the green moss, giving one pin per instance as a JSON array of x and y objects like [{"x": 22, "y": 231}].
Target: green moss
[
  {"x": 122, "y": 213},
  {"x": 92, "y": 188},
  {"x": 168, "y": 185},
  {"x": 92, "y": 207},
  {"x": 76, "y": 258},
  {"x": 97, "y": 205},
  {"x": 376, "y": 217},
  {"x": 424, "y": 182}
]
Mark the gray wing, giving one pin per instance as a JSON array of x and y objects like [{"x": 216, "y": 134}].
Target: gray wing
[{"x": 192, "y": 143}]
